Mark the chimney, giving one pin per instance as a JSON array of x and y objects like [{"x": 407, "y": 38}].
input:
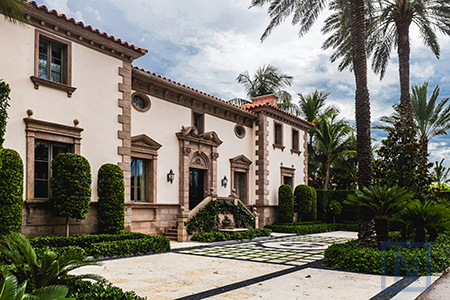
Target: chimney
[{"x": 266, "y": 99}]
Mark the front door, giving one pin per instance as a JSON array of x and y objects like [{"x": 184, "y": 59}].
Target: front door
[{"x": 196, "y": 187}]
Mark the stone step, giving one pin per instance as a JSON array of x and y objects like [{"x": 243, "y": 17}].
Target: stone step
[{"x": 171, "y": 234}]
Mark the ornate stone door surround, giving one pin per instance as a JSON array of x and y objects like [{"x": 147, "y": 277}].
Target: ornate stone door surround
[{"x": 197, "y": 151}]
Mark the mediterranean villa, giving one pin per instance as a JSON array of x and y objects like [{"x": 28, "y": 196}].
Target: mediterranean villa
[{"x": 75, "y": 89}]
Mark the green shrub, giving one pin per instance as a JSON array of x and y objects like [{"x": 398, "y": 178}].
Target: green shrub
[
  {"x": 322, "y": 200},
  {"x": 71, "y": 187},
  {"x": 285, "y": 204},
  {"x": 4, "y": 104},
  {"x": 305, "y": 202},
  {"x": 152, "y": 244},
  {"x": 101, "y": 290},
  {"x": 111, "y": 199},
  {"x": 207, "y": 219},
  {"x": 11, "y": 191},
  {"x": 308, "y": 229},
  {"x": 216, "y": 236},
  {"x": 84, "y": 241},
  {"x": 350, "y": 258}
]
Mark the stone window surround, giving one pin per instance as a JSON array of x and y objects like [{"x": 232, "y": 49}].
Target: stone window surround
[
  {"x": 275, "y": 144},
  {"x": 287, "y": 172},
  {"x": 243, "y": 131},
  {"x": 66, "y": 84},
  {"x": 240, "y": 164},
  {"x": 143, "y": 96},
  {"x": 47, "y": 131},
  {"x": 143, "y": 147}
]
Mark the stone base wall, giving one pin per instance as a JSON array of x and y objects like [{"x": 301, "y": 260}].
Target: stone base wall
[
  {"x": 267, "y": 214},
  {"x": 36, "y": 221},
  {"x": 154, "y": 219}
]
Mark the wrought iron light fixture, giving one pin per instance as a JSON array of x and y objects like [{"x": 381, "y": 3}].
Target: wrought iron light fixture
[
  {"x": 170, "y": 176},
  {"x": 224, "y": 181}
]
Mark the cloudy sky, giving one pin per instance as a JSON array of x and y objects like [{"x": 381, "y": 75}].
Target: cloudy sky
[{"x": 205, "y": 44}]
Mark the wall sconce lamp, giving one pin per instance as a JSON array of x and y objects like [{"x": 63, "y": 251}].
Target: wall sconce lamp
[
  {"x": 170, "y": 176},
  {"x": 224, "y": 181}
]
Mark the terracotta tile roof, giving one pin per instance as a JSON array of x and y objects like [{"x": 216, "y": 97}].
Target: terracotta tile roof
[
  {"x": 189, "y": 88},
  {"x": 251, "y": 105},
  {"x": 88, "y": 27}
]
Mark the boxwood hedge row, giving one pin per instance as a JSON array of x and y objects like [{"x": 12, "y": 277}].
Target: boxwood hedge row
[
  {"x": 217, "y": 236},
  {"x": 308, "y": 229}
]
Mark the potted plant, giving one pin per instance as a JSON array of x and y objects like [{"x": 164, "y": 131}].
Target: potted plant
[{"x": 226, "y": 222}]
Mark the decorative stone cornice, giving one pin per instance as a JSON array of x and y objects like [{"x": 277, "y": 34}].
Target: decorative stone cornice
[
  {"x": 190, "y": 133},
  {"x": 82, "y": 35},
  {"x": 181, "y": 95},
  {"x": 282, "y": 117}
]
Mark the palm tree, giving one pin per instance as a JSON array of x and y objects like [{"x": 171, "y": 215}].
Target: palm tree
[
  {"x": 267, "y": 80},
  {"x": 285, "y": 103},
  {"x": 440, "y": 174},
  {"x": 431, "y": 117},
  {"x": 383, "y": 202},
  {"x": 305, "y": 13},
  {"x": 330, "y": 141},
  {"x": 12, "y": 10}
]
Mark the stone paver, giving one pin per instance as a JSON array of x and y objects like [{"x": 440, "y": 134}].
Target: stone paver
[{"x": 286, "y": 250}]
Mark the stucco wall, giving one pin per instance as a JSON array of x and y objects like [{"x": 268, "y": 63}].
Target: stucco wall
[
  {"x": 94, "y": 103},
  {"x": 160, "y": 123},
  {"x": 278, "y": 158},
  {"x": 231, "y": 147}
]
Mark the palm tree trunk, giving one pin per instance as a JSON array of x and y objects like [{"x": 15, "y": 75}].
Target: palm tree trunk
[
  {"x": 327, "y": 175},
  {"x": 362, "y": 104},
  {"x": 403, "y": 51},
  {"x": 67, "y": 226}
]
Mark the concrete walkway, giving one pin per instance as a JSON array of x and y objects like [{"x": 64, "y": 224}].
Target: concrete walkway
[{"x": 283, "y": 267}]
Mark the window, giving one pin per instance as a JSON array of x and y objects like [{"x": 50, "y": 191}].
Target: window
[
  {"x": 198, "y": 120},
  {"x": 239, "y": 131},
  {"x": 53, "y": 66},
  {"x": 278, "y": 136},
  {"x": 44, "y": 152},
  {"x": 45, "y": 140},
  {"x": 295, "y": 142},
  {"x": 240, "y": 170},
  {"x": 140, "y": 102},
  {"x": 288, "y": 175},
  {"x": 138, "y": 179},
  {"x": 50, "y": 61}
]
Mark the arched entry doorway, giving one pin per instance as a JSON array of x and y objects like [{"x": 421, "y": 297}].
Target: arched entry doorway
[{"x": 198, "y": 165}]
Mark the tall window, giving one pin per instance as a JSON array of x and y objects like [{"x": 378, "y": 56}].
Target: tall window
[
  {"x": 138, "y": 179},
  {"x": 44, "y": 152},
  {"x": 50, "y": 61},
  {"x": 198, "y": 120},
  {"x": 278, "y": 134},
  {"x": 295, "y": 144}
]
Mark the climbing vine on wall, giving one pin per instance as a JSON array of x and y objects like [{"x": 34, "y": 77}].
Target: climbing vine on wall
[{"x": 207, "y": 219}]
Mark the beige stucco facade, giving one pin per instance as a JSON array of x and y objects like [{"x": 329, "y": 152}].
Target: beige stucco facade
[{"x": 92, "y": 111}]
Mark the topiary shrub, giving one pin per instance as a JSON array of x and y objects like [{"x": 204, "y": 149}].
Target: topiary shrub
[
  {"x": 71, "y": 187},
  {"x": 111, "y": 197},
  {"x": 11, "y": 191},
  {"x": 305, "y": 202},
  {"x": 4, "y": 104},
  {"x": 285, "y": 204}
]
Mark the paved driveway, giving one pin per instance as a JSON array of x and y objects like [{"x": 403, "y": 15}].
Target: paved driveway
[{"x": 288, "y": 267}]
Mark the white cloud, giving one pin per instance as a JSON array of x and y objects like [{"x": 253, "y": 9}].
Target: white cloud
[{"x": 61, "y": 6}]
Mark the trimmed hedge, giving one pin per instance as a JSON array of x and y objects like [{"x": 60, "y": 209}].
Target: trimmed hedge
[
  {"x": 84, "y": 240},
  {"x": 105, "y": 245},
  {"x": 305, "y": 202},
  {"x": 285, "y": 204},
  {"x": 307, "y": 229},
  {"x": 350, "y": 258},
  {"x": 11, "y": 191},
  {"x": 100, "y": 290},
  {"x": 325, "y": 197},
  {"x": 71, "y": 186},
  {"x": 111, "y": 199},
  {"x": 218, "y": 236},
  {"x": 207, "y": 219}
]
